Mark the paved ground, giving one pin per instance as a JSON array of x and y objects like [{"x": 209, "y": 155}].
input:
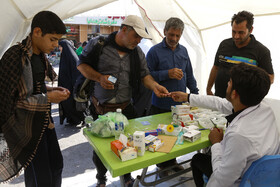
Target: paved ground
[{"x": 79, "y": 170}]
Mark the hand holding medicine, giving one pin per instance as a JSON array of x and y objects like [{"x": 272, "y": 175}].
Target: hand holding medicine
[
  {"x": 112, "y": 79},
  {"x": 105, "y": 83}
]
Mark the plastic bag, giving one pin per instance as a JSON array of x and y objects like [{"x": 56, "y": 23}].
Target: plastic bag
[{"x": 105, "y": 124}]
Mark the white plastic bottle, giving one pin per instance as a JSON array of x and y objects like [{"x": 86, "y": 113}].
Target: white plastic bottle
[
  {"x": 139, "y": 142},
  {"x": 119, "y": 125}
]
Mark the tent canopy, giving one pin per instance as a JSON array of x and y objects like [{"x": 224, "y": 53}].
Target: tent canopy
[{"x": 207, "y": 23}]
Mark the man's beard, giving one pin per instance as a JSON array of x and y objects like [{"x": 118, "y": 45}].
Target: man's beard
[{"x": 242, "y": 41}]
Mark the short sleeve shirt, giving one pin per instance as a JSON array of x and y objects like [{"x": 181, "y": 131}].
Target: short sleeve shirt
[{"x": 229, "y": 55}]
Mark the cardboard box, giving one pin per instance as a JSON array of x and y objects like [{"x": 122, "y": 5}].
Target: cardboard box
[
  {"x": 192, "y": 135},
  {"x": 156, "y": 145},
  {"x": 139, "y": 142},
  {"x": 124, "y": 153},
  {"x": 116, "y": 146},
  {"x": 128, "y": 153},
  {"x": 180, "y": 109},
  {"x": 189, "y": 128}
]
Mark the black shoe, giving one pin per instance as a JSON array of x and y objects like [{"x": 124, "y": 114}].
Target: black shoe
[
  {"x": 178, "y": 168},
  {"x": 100, "y": 183},
  {"x": 163, "y": 173},
  {"x": 129, "y": 182}
]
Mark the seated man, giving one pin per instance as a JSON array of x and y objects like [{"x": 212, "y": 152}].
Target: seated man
[{"x": 251, "y": 132}]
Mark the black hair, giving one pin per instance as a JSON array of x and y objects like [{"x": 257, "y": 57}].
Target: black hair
[
  {"x": 48, "y": 22},
  {"x": 251, "y": 83},
  {"x": 84, "y": 43},
  {"x": 243, "y": 16}
]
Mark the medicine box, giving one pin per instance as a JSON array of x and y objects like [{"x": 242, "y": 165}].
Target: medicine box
[
  {"x": 192, "y": 135},
  {"x": 139, "y": 142},
  {"x": 189, "y": 128},
  {"x": 156, "y": 145},
  {"x": 124, "y": 153}
]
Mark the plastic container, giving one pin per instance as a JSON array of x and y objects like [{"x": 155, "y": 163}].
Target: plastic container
[{"x": 139, "y": 142}]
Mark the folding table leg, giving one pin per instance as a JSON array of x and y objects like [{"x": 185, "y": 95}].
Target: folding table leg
[{"x": 122, "y": 181}]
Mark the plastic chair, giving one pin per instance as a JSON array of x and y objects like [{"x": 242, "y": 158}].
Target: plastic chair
[{"x": 263, "y": 172}]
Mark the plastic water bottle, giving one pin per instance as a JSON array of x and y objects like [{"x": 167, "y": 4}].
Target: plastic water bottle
[
  {"x": 89, "y": 121},
  {"x": 119, "y": 126}
]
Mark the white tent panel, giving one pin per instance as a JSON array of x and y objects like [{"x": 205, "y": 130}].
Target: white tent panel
[
  {"x": 207, "y": 23},
  {"x": 208, "y": 14},
  {"x": 16, "y": 15}
]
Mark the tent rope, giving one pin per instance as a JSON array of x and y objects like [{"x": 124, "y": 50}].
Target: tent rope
[{"x": 148, "y": 18}]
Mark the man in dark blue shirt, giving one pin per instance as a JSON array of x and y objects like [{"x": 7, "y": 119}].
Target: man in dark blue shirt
[{"x": 170, "y": 66}]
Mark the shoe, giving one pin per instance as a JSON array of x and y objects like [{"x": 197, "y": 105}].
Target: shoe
[
  {"x": 163, "y": 173},
  {"x": 130, "y": 182},
  {"x": 178, "y": 168},
  {"x": 100, "y": 183}
]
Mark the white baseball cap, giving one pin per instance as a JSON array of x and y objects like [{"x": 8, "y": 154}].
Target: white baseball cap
[{"x": 137, "y": 24}]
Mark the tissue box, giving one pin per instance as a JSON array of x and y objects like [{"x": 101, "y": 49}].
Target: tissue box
[
  {"x": 124, "y": 153},
  {"x": 192, "y": 135},
  {"x": 128, "y": 153}
]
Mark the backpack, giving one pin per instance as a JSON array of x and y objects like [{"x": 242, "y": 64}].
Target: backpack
[{"x": 84, "y": 87}]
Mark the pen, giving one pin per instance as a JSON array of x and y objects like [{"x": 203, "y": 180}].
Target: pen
[
  {"x": 202, "y": 129},
  {"x": 215, "y": 125}
]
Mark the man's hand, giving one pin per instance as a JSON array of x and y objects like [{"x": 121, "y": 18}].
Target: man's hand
[
  {"x": 216, "y": 135},
  {"x": 209, "y": 92},
  {"x": 105, "y": 83},
  {"x": 59, "y": 88},
  {"x": 175, "y": 73},
  {"x": 179, "y": 96},
  {"x": 58, "y": 94},
  {"x": 161, "y": 91}
]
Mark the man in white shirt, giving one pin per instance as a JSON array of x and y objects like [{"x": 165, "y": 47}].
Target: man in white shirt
[{"x": 251, "y": 132}]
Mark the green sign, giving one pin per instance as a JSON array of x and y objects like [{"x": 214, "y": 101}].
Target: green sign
[{"x": 101, "y": 21}]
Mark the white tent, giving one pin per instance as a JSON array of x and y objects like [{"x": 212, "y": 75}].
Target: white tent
[{"x": 207, "y": 23}]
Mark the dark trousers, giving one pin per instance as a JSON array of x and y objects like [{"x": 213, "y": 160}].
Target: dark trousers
[
  {"x": 201, "y": 164},
  {"x": 155, "y": 110},
  {"x": 130, "y": 113},
  {"x": 45, "y": 169}
]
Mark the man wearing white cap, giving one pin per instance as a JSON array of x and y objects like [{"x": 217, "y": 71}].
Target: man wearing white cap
[{"x": 123, "y": 59}]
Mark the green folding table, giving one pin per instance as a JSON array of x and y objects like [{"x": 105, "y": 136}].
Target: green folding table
[{"x": 118, "y": 168}]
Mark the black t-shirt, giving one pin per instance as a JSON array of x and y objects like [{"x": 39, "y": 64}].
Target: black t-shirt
[
  {"x": 38, "y": 72},
  {"x": 229, "y": 55}
]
